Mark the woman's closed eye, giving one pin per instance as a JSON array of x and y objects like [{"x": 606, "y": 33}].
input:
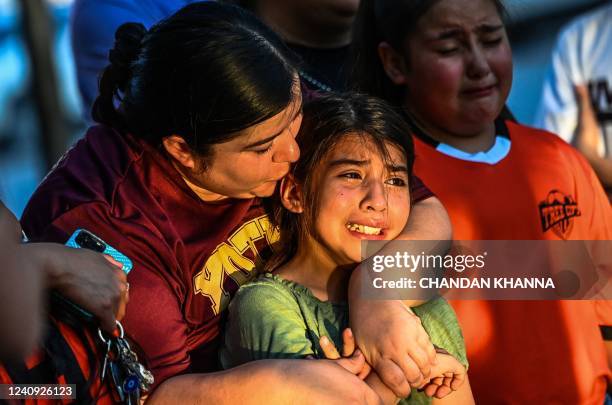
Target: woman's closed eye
[{"x": 264, "y": 150}]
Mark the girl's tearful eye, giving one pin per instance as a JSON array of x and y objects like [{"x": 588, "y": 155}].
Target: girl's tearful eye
[
  {"x": 351, "y": 175},
  {"x": 397, "y": 182}
]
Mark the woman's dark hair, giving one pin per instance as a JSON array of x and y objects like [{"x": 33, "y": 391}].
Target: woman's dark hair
[
  {"x": 248, "y": 4},
  {"x": 326, "y": 121},
  {"x": 391, "y": 21},
  {"x": 204, "y": 73}
]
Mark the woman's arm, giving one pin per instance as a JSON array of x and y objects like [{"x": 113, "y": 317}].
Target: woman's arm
[
  {"x": 270, "y": 382},
  {"x": 401, "y": 351},
  {"x": 428, "y": 221}
]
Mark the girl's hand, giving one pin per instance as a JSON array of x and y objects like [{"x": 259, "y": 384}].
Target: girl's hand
[
  {"x": 352, "y": 359},
  {"x": 448, "y": 376},
  {"x": 350, "y": 350}
]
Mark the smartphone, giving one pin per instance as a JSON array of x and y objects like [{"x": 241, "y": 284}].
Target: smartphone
[{"x": 84, "y": 239}]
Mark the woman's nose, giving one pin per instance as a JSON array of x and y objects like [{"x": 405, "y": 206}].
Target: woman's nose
[{"x": 288, "y": 150}]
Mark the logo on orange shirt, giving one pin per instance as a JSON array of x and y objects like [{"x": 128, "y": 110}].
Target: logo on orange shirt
[{"x": 557, "y": 213}]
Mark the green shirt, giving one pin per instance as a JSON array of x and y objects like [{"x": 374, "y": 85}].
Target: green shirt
[{"x": 274, "y": 318}]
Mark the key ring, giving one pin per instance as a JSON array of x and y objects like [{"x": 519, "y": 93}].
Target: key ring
[{"x": 121, "y": 333}]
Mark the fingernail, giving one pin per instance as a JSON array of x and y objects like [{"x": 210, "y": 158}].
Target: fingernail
[
  {"x": 324, "y": 340},
  {"x": 349, "y": 333}
]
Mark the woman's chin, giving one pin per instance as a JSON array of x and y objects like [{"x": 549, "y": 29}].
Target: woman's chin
[{"x": 265, "y": 190}]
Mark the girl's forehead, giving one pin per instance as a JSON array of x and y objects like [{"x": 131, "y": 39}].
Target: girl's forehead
[
  {"x": 458, "y": 13},
  {"x": 360, "y": 146}
]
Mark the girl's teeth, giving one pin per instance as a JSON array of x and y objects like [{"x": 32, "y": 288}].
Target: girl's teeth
[{"x": 368, "y": 230}]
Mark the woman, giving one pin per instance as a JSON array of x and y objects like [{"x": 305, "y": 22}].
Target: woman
[
  {"x": 209, "y": 107},
  {"x": 448, "y": 65}
]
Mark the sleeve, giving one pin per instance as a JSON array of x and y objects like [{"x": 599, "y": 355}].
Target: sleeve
[
  {"x": 558, "y": 110},
  {"x": 153, "y": 320},
  {"x": 440, "y": 323},
  {"x": 601, "y": 212},
  {"x": 92, "y": 27},
  {"x": 600, "y": 226},
  {"x": 419, "y": 191},
  {"x": 264, "y": 322}
]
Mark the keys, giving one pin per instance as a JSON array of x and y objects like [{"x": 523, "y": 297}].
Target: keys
[
  {"x": 106, "y": 358},
  {"x": 116, "y": 380},
  {"x": 130, "y": 361},
  {"x": 128, "y": 377}
]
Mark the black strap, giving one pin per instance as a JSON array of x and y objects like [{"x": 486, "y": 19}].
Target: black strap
[
  {"x": 606, "y": 332},
  {"x": 65, "y": 362}
]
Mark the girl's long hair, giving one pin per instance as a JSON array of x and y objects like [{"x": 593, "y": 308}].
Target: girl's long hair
[{"x": 327, "y": 121}]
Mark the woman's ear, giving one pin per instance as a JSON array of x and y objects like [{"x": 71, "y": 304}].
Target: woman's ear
[
  {"x": 291, "y": 195},
  {"x": 393, "y": 63},
  {"x": 181, "y": 152}
]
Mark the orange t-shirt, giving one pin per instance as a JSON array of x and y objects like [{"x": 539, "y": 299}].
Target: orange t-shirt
[{"x": 527, "y": 352}]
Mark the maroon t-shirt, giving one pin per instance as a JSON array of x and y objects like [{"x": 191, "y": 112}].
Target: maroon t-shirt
[{"x": 189, "y": 256}]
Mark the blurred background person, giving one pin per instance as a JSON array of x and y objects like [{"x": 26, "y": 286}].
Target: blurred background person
[
  {"x": 35, "y": 64},
  {"x": 93, "y": 24},
  {"x": 28, "y": 270},
  {"x": 577, "y": 96},
  {"x": 21, "y": 292},
  {"x": 319, "y": 31},
  {"x": 447, "y": 64}
]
